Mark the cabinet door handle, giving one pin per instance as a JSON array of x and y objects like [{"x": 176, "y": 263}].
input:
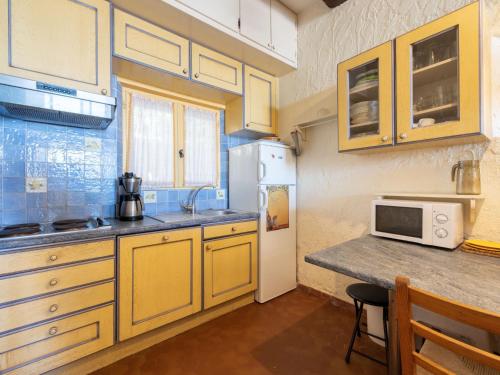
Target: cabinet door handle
[
  {"x": 384, "y": 138},
  {"x": 208, "y": 247},
  {"x": 403, "y": 136},
  {"x": 184, "y": 71},
  {"x": 104, "y": 91},
  {"x": 53, "y": 282},
  {"x": 196, "y": 75},
  {"x": 53, "y": 258},
  {"x": 165, "y": 238},
  {"x": 233, "y": 229},
  {"x": 53, "y": 308},
  {"x": 53, "y": 331}
]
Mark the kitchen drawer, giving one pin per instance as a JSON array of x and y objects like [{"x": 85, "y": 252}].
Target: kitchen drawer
[
  {"x": 215, "y": 69},
  {"x": 55, "y": 279},
  {"x": 229, "y": 229},
  {"x": 54, "y": 306},
  {"x": 54, "y": 256},
  {"x": 48, "y": 346}
]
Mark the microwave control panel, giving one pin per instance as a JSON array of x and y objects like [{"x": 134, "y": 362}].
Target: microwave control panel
[{"x": 447, "y": 224}]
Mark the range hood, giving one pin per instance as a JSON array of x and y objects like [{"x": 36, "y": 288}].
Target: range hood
[{"x": 41, "y": 102}]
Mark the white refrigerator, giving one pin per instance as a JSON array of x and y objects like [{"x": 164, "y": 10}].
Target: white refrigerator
[{"x": 262, "y": 177}]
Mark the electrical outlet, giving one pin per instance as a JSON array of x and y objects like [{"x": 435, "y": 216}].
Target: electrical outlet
[{"x": 220, "y": 194}]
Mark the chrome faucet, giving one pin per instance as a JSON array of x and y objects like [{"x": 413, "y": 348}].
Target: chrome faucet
[{"x": 190, "y": 204}]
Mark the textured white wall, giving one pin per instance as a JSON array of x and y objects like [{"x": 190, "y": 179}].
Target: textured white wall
[{"x": 335, "y": 190}]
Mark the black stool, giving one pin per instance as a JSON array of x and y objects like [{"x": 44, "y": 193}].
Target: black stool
[{"x": 370, "y": 295}]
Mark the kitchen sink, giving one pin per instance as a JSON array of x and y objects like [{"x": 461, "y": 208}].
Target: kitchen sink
[{"x": 212, "y": 212}]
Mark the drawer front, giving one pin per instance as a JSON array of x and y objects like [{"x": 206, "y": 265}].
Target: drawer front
[
  {"x": 216, "y": 69},
  {"x": 31, "y": 312},
  {"x": 230, "y": 266},
  {"x": 229, "y": 229},
  {"x": 138, "y": 40},
  {"x": 48, "y": 346},
  {"x": 55, "y": 279},
  {"x": 55, "y": 256}
]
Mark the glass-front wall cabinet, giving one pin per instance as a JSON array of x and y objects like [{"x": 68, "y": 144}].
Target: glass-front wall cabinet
[
  {"x": 365, "y": 99},
  {"x": 437, "y": 78}
]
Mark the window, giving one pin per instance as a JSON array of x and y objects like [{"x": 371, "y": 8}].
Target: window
[{"x": 170, "y": 141}]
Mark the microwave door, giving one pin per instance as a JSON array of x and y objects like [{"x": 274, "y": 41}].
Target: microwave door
[{"x": 405, "y": 223}]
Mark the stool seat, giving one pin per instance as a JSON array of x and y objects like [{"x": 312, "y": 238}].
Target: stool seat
[{"x": 369, "y": 294}]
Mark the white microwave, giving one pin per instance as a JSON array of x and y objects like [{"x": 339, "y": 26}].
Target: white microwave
[{"x": 428, "y": 223}]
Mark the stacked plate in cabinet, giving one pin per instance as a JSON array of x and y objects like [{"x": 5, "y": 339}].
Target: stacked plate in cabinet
[
  {"x": 364, "y": 112},
  {"x": 364, "y": 108}
]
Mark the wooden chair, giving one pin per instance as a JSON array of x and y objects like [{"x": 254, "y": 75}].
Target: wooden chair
[{"x": 449, "y": 352}]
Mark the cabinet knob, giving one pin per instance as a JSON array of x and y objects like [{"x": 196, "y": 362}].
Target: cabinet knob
[
  {"x": 208, "y": 247},
  {"x": 53, "y": 331},
  {"x": 233, "y": 229},
  {"x": 53, "y": 308},
  {"x": 403, "y": 136},
  {"x": 196, "y": 75},
  {"x": 184, "y": 71},
  {"x": 53, "y": 282},
  {"x": 53, "y": 258},
  {"x": 104, "y": 91},
  {"x": 384, "y": 138},
  {"x": 165, "y": 238}
]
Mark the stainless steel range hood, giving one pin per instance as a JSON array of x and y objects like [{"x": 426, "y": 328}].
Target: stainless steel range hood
[{"x": 41, "y": 102}]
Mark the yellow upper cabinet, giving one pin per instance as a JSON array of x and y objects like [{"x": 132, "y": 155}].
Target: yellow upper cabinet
[
  {"x": 63, "y": 42},
  {"x": 365, "y": 99},
  {"x": 145, "y": 43},
  {"x": 437, "y": 78},
  {"x": 159, "y": 279},
  {"x": 215, "y": 69},
  {"x": 261, "y": 97}
]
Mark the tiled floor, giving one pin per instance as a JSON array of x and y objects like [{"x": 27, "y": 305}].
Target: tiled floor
[{"x": 298, "y": 333}]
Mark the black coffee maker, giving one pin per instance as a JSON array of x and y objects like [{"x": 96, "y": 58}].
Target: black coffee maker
[{"x": 130, "y": 204}]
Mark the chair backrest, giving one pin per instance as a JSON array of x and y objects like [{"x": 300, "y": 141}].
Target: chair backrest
[{"x": 406, "y": 296}]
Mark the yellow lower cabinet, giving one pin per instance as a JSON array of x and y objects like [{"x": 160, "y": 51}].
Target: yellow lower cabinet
[
  {"x": 51, "y": 345},
  {"x": 159, "y": 279},
  {"x": 230, "y": 268}
]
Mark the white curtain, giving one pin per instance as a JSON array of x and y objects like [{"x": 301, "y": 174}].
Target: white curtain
[
  {"x": 151, "y": 140},
  {"x": 200, "y": 135}
]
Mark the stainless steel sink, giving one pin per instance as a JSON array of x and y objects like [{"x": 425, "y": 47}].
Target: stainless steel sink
[{"x": 216, "y": 212}]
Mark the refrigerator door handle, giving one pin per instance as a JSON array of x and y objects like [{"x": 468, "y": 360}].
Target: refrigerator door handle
[
  {"x": 262, "y": 170},
  {"x": 263, "y": 199}
]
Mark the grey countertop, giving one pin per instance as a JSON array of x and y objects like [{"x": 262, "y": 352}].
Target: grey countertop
[
  {"x": 118, "y": 228},
  {"x": 469, "y": 278}
]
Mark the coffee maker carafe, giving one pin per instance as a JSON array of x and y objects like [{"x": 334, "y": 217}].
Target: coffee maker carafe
[{"x": 131, "y": 204}]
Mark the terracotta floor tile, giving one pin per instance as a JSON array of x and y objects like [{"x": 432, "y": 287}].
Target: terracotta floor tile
[{"x": 298, "y": 333}]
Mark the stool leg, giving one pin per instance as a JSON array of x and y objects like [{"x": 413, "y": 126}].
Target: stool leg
[
  {"x": 357, "y": 308},
  {"x": 354, "y": 333},
  {"x": 386, "y": 336}
]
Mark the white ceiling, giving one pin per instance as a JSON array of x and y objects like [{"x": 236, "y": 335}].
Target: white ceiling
[{"x": 299, "y": 5}]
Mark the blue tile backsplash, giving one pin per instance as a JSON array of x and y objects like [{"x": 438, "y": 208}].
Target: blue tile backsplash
[{"x": 49, "y": 172}]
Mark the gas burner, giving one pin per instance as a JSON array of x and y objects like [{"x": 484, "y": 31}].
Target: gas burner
[
  {"x": 70, "y": 224},
  {"x": 20, "y": 230}
]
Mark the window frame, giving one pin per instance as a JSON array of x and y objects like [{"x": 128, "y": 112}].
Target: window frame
[{"x": 179, "y": 102}]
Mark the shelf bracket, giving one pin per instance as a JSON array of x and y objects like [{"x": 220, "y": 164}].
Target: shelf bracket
[{"x": 472, "y": 211}]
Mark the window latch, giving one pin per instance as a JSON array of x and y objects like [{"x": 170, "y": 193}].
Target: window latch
[{"x": 181, "y": 153}]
